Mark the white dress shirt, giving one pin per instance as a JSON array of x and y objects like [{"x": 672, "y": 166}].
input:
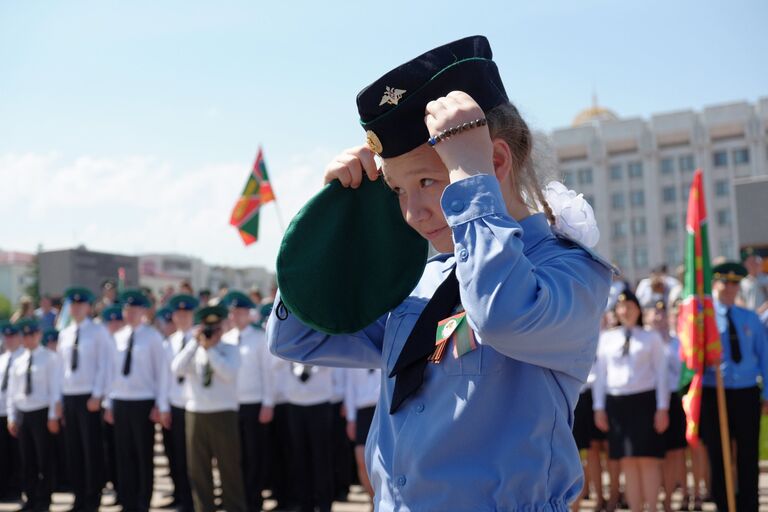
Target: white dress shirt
[
  {"x": 147, "y": 379},
  {"x": 317, "y": 389},
  {"x": 94, "y": 358},
  {"x": 46, "y": 383},
  {"x": 362, "y": 390},
  {"x": 255, "y": 379},
  {"x": 221, "y": 394},
  {"x": 644, "y": 368},
  {"x": 173, "y": 345},
  {"x": 6, "y": 358},
  {"x": 339, "y": 378}
]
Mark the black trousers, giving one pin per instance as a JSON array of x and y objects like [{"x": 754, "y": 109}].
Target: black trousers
[
  {"x": 85, "y": 457},
  {"x": 311, "y": 433},
  {"x": 35, "y": 444},
  {"x": 254, "y": 453},
  {"x": 175, "y": 443},
  {"x": 134, "y": 445},
  {"x": 744, "y": 426},
  {"x": 279, "y": 477},
  {"x": 10, "y": 468},
  {"x": 110, "y": 467},
  {"x": 60, "y": 478},
  {"x": 343, "y": 455}
]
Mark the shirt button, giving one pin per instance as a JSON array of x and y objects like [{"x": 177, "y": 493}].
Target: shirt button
[
  {"x": 457, "y": 205},
  {"x": 463, "y": 255},
  {"x": 420, "y": 408},
  {"x": 400, "y": 481}
]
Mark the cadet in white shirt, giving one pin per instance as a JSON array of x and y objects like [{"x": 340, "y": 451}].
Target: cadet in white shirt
[
  {"x": 10, "y": 469},
  {"x": 86, "y": 350},
  {"x": 255, "y": 393},
  {"x": 210, "y": 368},
  {"x": 182, "y": 308},
  {"x": 34, "y": 395},
  {"x": 362, "y": 394},
  {"x": 138, "y": 397},
  {"x": 631, "y": 400},
  {"x": 309, "y": 389},
  {"x": 112, "y": 319}
]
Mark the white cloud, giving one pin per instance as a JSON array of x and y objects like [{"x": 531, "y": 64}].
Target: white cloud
[{"x": 140, "y": 204}]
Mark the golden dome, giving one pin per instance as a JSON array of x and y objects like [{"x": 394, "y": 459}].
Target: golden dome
[{"x": 594, "y": 113}]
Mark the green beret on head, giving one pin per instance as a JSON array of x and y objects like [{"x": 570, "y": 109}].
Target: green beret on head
[
  {"x": 348, "y": 257},
  {"x": 211, "y": 315},
  {"x": 79, "y": 294},
  {"x": 165, "y": 314},
  {"x": 729, "y": 271},
  {"x": 49, "y": 336},
  {"x": 134, "y": 297},
  {"x": 111, "y": 313},
  {"x": 183, "y": 302},
  {"x": 27, "y": 326},
  {"x": 8, "y": 329},
  {"x": 235, "y": 299}
]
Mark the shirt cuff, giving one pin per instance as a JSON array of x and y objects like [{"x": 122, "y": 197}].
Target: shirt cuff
[{"x": 471, "y": 198}]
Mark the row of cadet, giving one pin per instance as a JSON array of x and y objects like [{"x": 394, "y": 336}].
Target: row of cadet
[
  {"x": 79, "y": 409},
  {"x": 631, "y": 411}
]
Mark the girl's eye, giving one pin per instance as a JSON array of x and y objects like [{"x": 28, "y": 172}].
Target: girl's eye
[{"x": 425, "y": 182}]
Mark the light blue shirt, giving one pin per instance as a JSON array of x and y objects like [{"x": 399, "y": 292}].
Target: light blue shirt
[
  {"x": 490, "y": 430},
  {"x": 754, "y": 352}
]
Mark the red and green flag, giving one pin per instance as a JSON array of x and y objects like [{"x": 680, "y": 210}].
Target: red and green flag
[
  {"x": 257, "y": 192},
  {"x": 696, "y": 325}
]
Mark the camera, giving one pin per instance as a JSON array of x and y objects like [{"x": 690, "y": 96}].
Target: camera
[{"x": 210, "y": 330}]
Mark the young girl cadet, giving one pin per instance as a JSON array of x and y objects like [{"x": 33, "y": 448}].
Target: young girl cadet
[{"x": 483, "y": 360}]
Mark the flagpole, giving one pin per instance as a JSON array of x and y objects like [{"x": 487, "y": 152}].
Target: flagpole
[
  {"x": 725, "y": 440},
  {"x": 279, "y": 216}
]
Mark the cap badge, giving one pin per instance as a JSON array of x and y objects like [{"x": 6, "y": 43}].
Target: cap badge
[
  {"x": 391, "y": 96},
  {"x": 373, "y": 142}
]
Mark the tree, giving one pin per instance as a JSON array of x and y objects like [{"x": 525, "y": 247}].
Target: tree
[
  {"x": 33, "y": 290},
  {"x": 6, "y": 308}
]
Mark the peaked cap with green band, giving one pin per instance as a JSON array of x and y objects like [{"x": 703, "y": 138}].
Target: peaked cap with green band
[
  {"x": 392, "y": 108},
  {"x": 729, "y": 271},
  {"x": 348, "y": 257}
]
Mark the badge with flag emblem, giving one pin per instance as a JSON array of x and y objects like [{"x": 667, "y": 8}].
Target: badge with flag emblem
[{"x": 454, "y": 327}]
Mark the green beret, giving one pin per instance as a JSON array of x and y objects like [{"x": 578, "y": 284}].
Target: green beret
[
  {"x": 729, "y": 271},
  {"x": 211, "y": 315},
  {"x": 165, "y": 314},
  {"x": 183, "y": 302},
  {"x": 113, "y": 312},
  {"x": 49, "y": 336},
  {"x": 8, "y": 329},
  {"x": 28, "y": 326},
  {"x": 79, "y": 294},
  {"x": 134, "y": 297},
  {"x": 235, "y": 299},
  {"x": 348, "y": 257}
]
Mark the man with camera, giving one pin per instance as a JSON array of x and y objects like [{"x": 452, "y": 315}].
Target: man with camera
[{"x": 210, "y": 368}]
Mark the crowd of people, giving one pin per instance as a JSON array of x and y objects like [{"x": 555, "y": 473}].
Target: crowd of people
[
  {"x": 629, "y": 419},
  {"x": 80, "y": 406}
]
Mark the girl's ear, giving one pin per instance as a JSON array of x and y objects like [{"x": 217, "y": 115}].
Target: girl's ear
[{"x": 502, "y": 159}]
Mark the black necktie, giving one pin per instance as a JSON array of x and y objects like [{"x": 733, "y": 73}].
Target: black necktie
[
  {"x": 28, "y": 388},
  {"x": 733, "y": 336},
  {"x": 75, "y": 349},
  {"x": 410, "y": 365},
  {"x": 184, "y": 340},
  {"x": 128, "y": 355},
  {"x": 304, "y": 374},
  {"x": 627, "y": 338},
  {"x": 207, "y": 374},
  {"x": 4, "y": 386}
]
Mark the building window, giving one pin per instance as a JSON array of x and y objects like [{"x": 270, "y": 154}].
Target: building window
[
  {"x": 722, "y": 188},
  {"x": 619, "y": 229},
  {"x": 670, "y": 223},
  {"x": 617, "y": 200},
  {"x": 638, "y": 226},
  {"x": 637, "y": 197},
  {"x": 720, "y": 158},
  {"x": 591, "y": 200},
  {"x": 687, "y": 163},
  {"x": 641, "y": 257},
  {"x": 585, "y": 176},
  {"x": 635, "y": 170},
  {"x": 668, "y": 194},
  {"x": 741, "y": 156},
  {"x": 667, "y": 165},
  {"x": 725, "y": 247},
  {"x": 685, "y": 191},
  {"x": 723, "y": 217},
  {"x": 672, "y": 255},
  {"x": 568, "y": 179},
  {"x": 616, "y": 172},
  {"x": 620, "y": 258}
]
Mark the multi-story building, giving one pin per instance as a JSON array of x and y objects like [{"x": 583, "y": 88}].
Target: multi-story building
[
  {"x": 159, "y": 271},
  {"x": 637, "y": 173},
  {"x": 81, "y": 267},
  {"x": 17, "y": 273}
]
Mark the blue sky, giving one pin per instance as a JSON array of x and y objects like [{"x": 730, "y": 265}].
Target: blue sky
[{"x": 130, "y": 126}]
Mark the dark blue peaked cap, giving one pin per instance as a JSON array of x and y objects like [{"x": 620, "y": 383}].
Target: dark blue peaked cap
[{"x": 392, "y": 108}]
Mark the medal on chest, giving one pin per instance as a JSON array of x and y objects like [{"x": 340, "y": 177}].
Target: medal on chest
[{"x": 454, "y": 328}]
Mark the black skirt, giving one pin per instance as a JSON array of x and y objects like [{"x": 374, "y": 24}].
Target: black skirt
[
  {"x": 584, "y": 429},
  {"x": 363, "y": 424},
  {"x": 674, "y": 436},
  {"x": 631, "y": 432}
]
